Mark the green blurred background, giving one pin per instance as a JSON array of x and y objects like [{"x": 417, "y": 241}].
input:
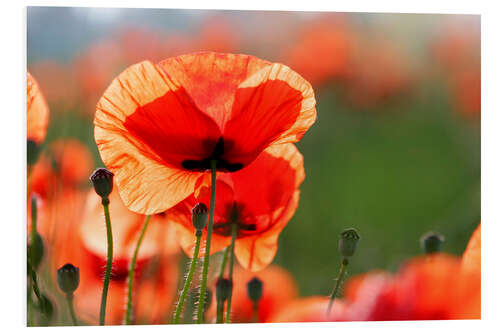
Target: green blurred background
[{"x": 394, "y": 169}]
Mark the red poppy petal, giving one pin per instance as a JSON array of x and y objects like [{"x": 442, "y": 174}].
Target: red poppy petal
[
  {"x": 137, "y": 167},
  {"x": 174, "y": 128},
  {"x": 37, "y": 111},
  {"x": 211, "y": 79},
  {"x": 471, "y": 259},
  {"x": 279, "y": 170},
  {"x": 256, "y": 252},
  {"x": 275, "y": 105}
]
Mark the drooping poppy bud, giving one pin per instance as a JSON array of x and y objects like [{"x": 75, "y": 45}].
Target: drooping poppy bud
[
  {"x": 200, "y": 215},
  {"x": 68, "y": 278},
  {"x": 36, "y": 251},
  {"x": 347, "y": 242},
  {"x": 431, "y": 242},
  {"x": 223, "y": 289},
  {"x": 102, "y": 180},
  {"x": 254, "y": 289}
]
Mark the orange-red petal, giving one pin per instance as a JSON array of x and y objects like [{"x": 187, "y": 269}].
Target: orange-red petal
[
  {"x": 471, "y": 259},
  {"x": 37, "y": 111},
  {"x": 137, "y": 167},
  {"x": 309, "y": 309}
]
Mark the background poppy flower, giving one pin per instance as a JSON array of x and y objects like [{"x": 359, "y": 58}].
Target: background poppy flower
[
  {"x": 156, "y": 268},
  {"x": 65, "y": 165},
  {"x": 309, "y": 309},
  {"x": 426, "y": 288},
  {"x": 261, "y": 212},
  {"x": 323, "y": 49},
  {"x": 471, "y": 259},
  {"x": 158, "y": 126},
  {"x": 279, "y": 288},
  {"x": 37, "y": 111}
]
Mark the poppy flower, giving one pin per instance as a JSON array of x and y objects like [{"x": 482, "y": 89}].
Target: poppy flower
[
  {"x": 127, "y": 225},
  {"x": 37, "y": 111},
  {"x": 471, "y": 259},
  {"x": 59, "y": 179},
  {"x": 309, "y": 309},
  {"x": 157, "y": 127},
  {"x": 58, "y": 82},
  {"x": 323, "y": 49},
  {"x": 279, "y": 287},
  {"x": 386, "y": 75},
  {"x": 156, "y": 267},
  {"x": 65, "y": 165},
  {"x": 260, "y": 212},
  {"x": 429, "y": 287},
  {"x": 466, "y": 90}
]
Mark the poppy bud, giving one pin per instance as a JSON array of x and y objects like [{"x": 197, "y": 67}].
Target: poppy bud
[
  {"x": 200, "y": 215},
  {"x": 254, "y": 289},
  {"x": 431, "y": 242},
  {"x": 223, "y": 289},
  {"x": 32, "y": 150},
  {"x": 347, "y": 242},
  {"x": 36, "y": 251},
  {"x": 68, "y": 278},
  {"x": 102, "y": 180}
]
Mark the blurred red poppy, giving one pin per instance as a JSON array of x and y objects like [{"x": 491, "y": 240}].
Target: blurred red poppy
[
  {"x": 457, "y": 51},
  {"x": 37, "y": 111},
  {"x": 260, "y": 212},
  {"x": 65, "y": 165},
  {"x": 158, "y": 126},
  {"x": 471, "y": 259},
  {"x": 60, "y": 179},
  {"x": 58, "y": 82},
  {"x": 323, "y": 49},
  {"x": 279, "y": 288},
  {"x": 427, "y": 288},
  {"x": 156, "y": 268},
  {"x": 309, "y": 309},
  {"x": 380, "y": 71}
]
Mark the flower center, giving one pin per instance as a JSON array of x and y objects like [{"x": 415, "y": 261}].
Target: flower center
[{"x": 217, "y": 154}]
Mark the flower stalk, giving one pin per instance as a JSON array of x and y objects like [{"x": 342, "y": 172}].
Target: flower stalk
[
  {"x": 131, "y": 271},
  {"x": 234, "y": 231},
  {"x": 189, "y": 278},
  {"x": 206, "y": 259}
]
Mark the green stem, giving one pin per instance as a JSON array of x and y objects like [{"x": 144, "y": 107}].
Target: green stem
[
  {"x": 189, "y": 278},
  {"x": 102, "y": 312},
  {"x": 131, "y": 270},
  {"x": 255, "y": 318},
  {"x": 234, "y": 231},
  {"x": 220, "y": 312},
  {"x": 224, "y": 261},
  {"x": 220, "y": 307},
  {"x": 343, "y": 268},
  {"x": 206, "y": 259},
  {"x": 69, "y": 298},
  {"x": 33, "y": 218}
]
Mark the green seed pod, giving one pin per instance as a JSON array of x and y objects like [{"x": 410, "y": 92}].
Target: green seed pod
[
  {"x": 254, "y": 289},
  {"x": 347, "y": 242},
  {"x": 36, "y": 251},
  {"x": 431, "y": 242},
  {"x": 68, "y": 278},
  {"x": 223, "y": 289},
  {"x": 199, "y": 216},
  {"x": 102, "y": 180}
]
